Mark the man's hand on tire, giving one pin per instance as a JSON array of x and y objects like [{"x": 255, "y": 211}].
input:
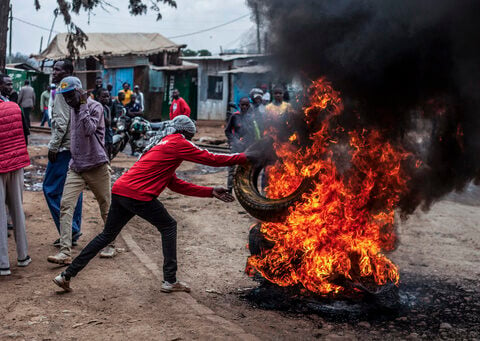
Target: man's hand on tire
[
  {"x": 52, "y": 156},
  {"x": 222, "y": 194},
  {"x": 255, "y": 156}
]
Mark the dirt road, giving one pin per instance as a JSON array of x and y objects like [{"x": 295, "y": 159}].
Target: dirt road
[{"x": 119, "y": 299}]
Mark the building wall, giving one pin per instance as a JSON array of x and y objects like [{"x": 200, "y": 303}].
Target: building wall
[
  {"x": 117, "y": 77},
  {"x": 243, "y": 83},
  {"x": 186, "y": 82},
  {"x": 208, "y": 107}
]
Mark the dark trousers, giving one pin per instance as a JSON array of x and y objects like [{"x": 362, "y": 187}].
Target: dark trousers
[
  {"x": 27, "y": 112},
  {"x": 122, "y": 209}
]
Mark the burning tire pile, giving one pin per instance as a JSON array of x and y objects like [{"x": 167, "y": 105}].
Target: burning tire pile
[
  {"x": 324, "y": 231},
  {"x": 354, "y": 157}
]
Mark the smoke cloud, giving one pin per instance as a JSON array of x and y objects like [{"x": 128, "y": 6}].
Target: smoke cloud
[{"x": 396, "y": 62}]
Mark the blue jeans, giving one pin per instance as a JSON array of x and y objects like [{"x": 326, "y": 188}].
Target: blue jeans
[
  {"x": 53, "y": 183},
  {"x": 45, "y": 118}
]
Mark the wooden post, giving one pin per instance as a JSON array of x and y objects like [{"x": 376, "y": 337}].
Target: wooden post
[
  {"x": 10, "y": 29},
  {"x": 4, "y": 9}
]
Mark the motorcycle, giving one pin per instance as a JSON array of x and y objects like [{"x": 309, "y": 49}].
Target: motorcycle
[{"x": 136, "y": 131}]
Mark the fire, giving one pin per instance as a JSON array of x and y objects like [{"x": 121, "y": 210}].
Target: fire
[{"x": 338, "y": 232}]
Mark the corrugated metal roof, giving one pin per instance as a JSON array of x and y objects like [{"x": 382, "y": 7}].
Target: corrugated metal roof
[
  {"x": 113, "y": 44},
  {"x": 185, "y": 66},
  {"x": 250, "y": 69},
  {"x": 225, "y": 58}
]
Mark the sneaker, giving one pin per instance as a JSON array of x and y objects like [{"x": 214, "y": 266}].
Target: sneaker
[
  {"x": 5, "y": 272},
  {"x": 25, "y": 262},
  {"x": 177, "y": 286},
  {"x": 62, "y": 282},
  {"x": 56, "y": 243},
  {"x": 108, "y": 252},
  {"x": 60, "y": 258}
]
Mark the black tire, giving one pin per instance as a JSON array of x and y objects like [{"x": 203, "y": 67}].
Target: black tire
[
  {"x": 257, "y": 243},
  {"x": 274, "y": 210}
]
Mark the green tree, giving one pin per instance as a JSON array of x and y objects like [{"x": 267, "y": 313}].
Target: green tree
[
  {"x": 204, "y": 53},
  {"x": 189, "y": 53}
]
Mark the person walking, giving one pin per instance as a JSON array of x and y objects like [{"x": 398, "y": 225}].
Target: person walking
[
  {"x": 89, "y": 165},
  {"x": 44, "y": 100},
  {"x": 13, "y": 150},
  {"x": 26, "y": 100},
  {"x": 104, "y": 99},
  {"x": 137, "y": 190},
  {"x": 59, "y": 155},
  {"x": 179, "y": 106},
  {"x": 140, "y": 99}
]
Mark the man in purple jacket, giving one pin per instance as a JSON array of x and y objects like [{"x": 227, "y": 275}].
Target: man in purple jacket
[{"x": 89, "y": 163}]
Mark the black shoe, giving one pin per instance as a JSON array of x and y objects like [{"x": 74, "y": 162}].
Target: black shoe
[
  {"x": 75, "y": 238},
  {"x": 56, "y": 243}
]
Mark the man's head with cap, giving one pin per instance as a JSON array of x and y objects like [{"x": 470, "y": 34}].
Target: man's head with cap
[
  {"x": 256, "y": 95},
  {"x": 185, "y": 126},
  {"x": 71, "y": 89}
]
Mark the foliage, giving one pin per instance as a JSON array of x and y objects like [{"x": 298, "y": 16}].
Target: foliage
[
  {"x": 204, "y": 53},
  {"x": 76, "y": 37},
  {"x": 189, "y": 53}
]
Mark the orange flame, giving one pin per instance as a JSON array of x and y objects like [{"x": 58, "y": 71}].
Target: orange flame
[{"x": 340, "y": 228}]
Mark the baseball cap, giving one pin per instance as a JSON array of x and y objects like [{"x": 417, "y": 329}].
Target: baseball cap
[{"x": 68, "y": 84}]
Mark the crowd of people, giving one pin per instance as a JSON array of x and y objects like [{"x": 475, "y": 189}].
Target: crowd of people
[
  {"x": 256, "y": 113},
  {"x": 78, "y": 157}
]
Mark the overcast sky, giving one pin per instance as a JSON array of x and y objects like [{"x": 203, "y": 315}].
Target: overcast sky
[{"x": 188, "y": 17}]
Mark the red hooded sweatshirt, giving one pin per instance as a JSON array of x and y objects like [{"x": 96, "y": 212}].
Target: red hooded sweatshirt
[{"x": 155, "y": 170}]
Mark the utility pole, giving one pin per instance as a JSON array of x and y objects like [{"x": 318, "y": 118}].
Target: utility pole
[
  {"x": 4, "y": 9},
  {"x": 10, "y": 36},
  {"x": 257, "y": 19},
  {"x": 41, "y": 43},
  {"x": 55, "y": 13},
  {"x": 265, "y": 43}
]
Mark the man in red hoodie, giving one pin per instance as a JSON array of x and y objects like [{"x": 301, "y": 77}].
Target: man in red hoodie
[
  {"x": 179, "y": 106},
  {"x": 136, "y": 192}
]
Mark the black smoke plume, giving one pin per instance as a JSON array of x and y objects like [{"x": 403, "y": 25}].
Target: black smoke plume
[{"x": 394, "y": 61}]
